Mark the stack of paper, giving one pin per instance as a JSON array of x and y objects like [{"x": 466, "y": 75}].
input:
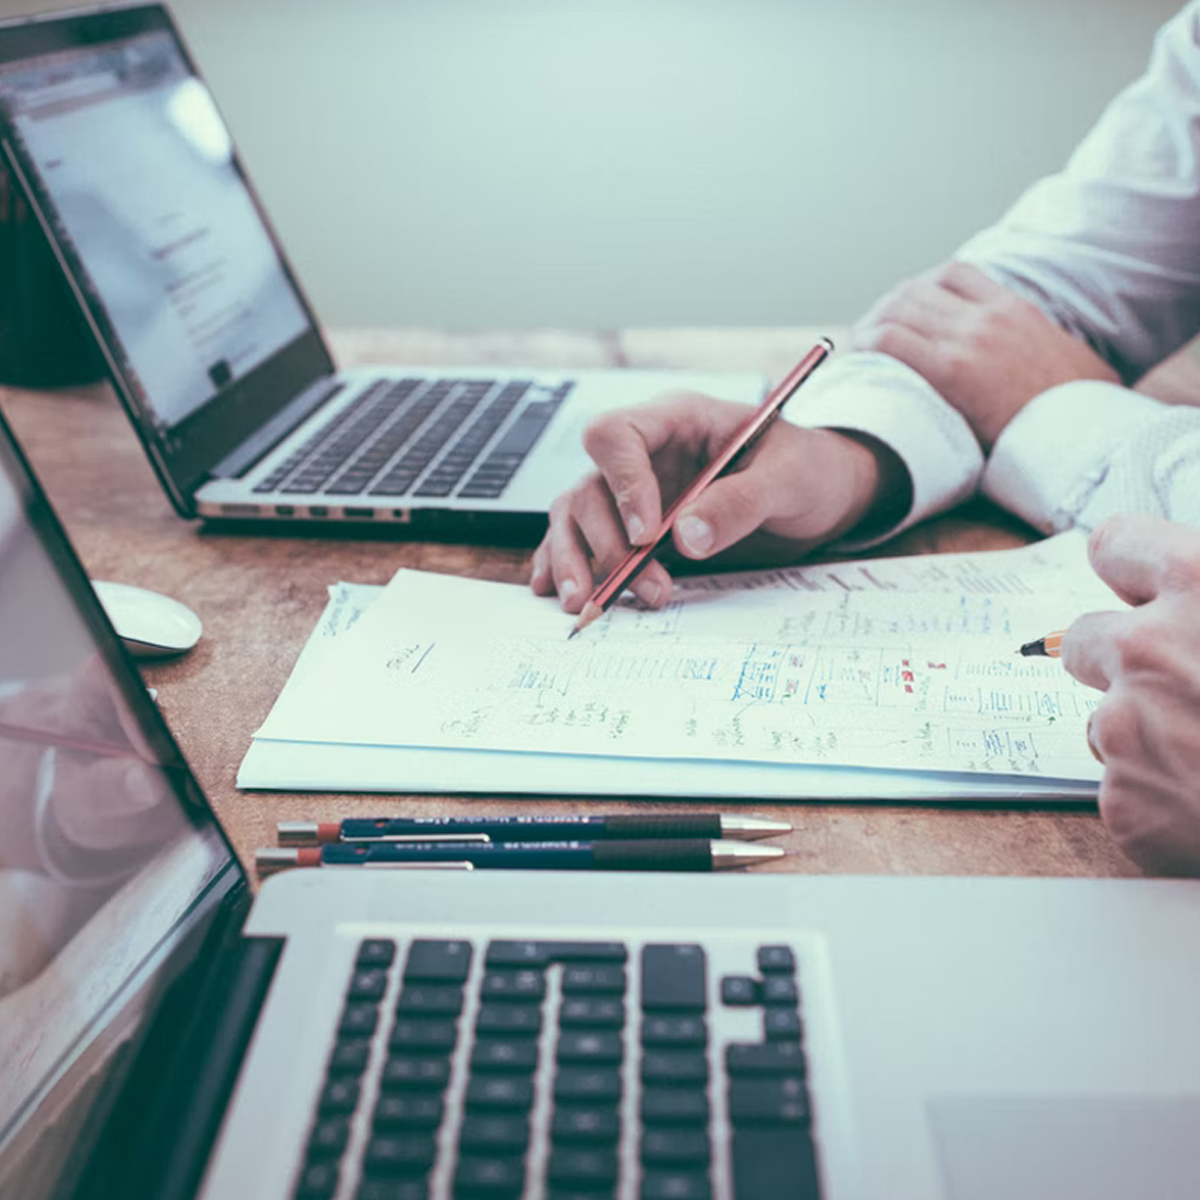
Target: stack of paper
[{"x": 886, "y": 678}]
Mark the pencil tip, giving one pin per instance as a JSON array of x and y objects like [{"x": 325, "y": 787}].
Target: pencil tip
[
  {"x": 591, "y": 610},
  {"x": 1033, "y": 648}
]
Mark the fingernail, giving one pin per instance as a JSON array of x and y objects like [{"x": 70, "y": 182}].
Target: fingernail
[
  {"x": 695, "y": 534},
  {"x": 652, "y": 593},
  {"x": 568, "y": 590},
  {"x": 635, "y": 531}
]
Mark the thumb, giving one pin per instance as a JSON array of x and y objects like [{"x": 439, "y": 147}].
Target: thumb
[{"x": 730, "y": 509}]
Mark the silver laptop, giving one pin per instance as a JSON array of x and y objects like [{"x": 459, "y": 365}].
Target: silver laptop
[
  {"x": 215, "y": 353},
  {"x": 403, "y": 1035}
]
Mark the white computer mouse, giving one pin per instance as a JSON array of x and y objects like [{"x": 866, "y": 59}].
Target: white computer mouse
[{"x": 150, "y": 624}]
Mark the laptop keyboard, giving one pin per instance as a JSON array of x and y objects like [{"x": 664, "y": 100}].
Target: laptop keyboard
[
  {"x": 569, "y": 1070},
  {"x": 427, "y": 438}
]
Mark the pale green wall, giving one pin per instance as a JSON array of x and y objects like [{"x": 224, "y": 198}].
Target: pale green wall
[{"x": 579, "y": 163}]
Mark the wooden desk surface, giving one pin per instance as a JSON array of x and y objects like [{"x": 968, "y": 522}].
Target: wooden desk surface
[{"x": 259, "y": 599}]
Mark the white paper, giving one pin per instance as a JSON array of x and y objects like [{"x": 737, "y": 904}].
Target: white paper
[{"x": 903, "y": 664}]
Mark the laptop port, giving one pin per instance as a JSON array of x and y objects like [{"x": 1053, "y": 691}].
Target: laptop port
[
  {"x": 318, "y": 510},
  {"x": 403, "y": 515},
  {"x": 358, "y": 512},
  {"x": 285, "y": 510}
]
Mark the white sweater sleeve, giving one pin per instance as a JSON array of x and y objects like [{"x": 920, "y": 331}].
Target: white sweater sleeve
[{"x": 1086, "y": 450}]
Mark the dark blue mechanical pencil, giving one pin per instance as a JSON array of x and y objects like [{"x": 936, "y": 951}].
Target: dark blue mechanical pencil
[{"x": 682, "y": 854}]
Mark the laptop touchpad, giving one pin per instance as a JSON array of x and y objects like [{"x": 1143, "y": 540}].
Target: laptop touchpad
[{"x": 1050, "y": 1148}]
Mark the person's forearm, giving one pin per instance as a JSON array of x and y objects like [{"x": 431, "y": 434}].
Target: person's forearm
[{"x": 1109, "y": 247}]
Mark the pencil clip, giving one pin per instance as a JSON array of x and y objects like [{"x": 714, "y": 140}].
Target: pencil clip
[
  {"x": 474, "y": 838},
  {"x": 410, "y": 866}
]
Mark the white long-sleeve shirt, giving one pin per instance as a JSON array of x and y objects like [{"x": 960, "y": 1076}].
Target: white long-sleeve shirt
[{"x": 1109, "y": 248}]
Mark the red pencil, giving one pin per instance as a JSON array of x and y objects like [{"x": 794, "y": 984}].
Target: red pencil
[{"x": 757, "y": 424}]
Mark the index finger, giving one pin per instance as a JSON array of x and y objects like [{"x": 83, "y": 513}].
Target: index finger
[
  {"x": 1139, "y": 556},
  {"x": 1089, "y": 648},
  {"x": 621, "y": 444}
]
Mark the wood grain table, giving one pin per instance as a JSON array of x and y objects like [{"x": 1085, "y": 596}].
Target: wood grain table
[{"x": 259, "y": 598}]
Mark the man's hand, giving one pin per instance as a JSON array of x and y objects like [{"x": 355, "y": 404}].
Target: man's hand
[
  {"x": 984, "y": 349},
  {"x": 799, "y": 488},
  {"x": 1146, "y": 730}
]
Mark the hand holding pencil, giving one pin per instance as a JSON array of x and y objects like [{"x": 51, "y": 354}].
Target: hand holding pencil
[{"x": 797, "y": 489}]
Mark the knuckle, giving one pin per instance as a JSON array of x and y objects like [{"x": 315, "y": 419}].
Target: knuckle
[
  {"x": 601, "y": 434},
  {"x": 1181, "y": 569},
  {"x": 1141, "y": 649},
  {"x": 1116, "y": 727},
  {"x": 881, "y": 337}
]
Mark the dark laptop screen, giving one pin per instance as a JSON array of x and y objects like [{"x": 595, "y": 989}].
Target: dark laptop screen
[
  {"x": 121, "y": 150},
  {"x": 139, "y": 165},
  {"x": 107, "y": 847}
]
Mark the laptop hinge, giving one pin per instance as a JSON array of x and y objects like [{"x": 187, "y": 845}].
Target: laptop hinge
[
  {"x": 158, "y": 1137},
  {"x": 260, "y": 443}
]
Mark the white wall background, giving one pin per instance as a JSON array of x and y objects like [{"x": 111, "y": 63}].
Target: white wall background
[{"x": 596, "y": 163}]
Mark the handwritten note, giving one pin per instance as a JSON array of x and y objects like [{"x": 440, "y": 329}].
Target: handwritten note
[{"x": 903, "y": 664}]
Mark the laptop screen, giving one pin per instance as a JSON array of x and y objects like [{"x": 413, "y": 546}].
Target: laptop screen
[
  {"x": 108, "y": 849},
  {"x": 125, "y": 156},
  {"x": 160, "y": 219}
]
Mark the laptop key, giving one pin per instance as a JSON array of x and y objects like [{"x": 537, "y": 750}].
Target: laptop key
[
  {"x": 318, "y": 1181},
  {"x": 517, "y": 1020},
  {"x": 774, "y": 1164},
  {"x": 513, "y": 985},
  {"x": 739, "y": 991},
  {"x": 376, "y": 952},
  {"x": 587, "y": 1085},
  {"x": 674, "y": 1032},
  {"x": 402, "y": 1071},
  {"x": 349, "y": 1057},
  {"x": 666, "y": 1146},
  {"x": 438, "y": 962},
  {"x": 590, "y": 1047},
  {"x": 589, "y": 978},
  {"x": 769, "y": 1058},
  {"x": 781, "y": 1024},
  {"x": 494, "y": 1133},
  {"x": 591, "y": 1012},
  {"x": 588, "y": 1167},
  {"x": 780, "y": 989},
  {"x": 399, "y": 1154},
  {"x": 392, "y": 1189},
  {"x": 499, "y": 1177},
  {"x": 517, "y": 954},
  {"x": 771, "y": 1101},
  {"x": 588, "y": 1124},
  {"x": 422, "y": 1111},
  {"x": 513, "y": 1093},
  {"x": 674, "y": 1106},
  {"x": 339, "y": 1096},
  {"x": 505, "y": 1054},
  {"x": 674, "y": 1066},
  {"x": 328, "y": 1138},
  {"x": 429, "y": 1036},
  {"x": 677, "y": 1185},
  {"x": 673, "y": 978},
  {"x": 430, "y": 1000},
  {"x": 368, "y": 983},
  {"x": 776, "y": 958}
]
